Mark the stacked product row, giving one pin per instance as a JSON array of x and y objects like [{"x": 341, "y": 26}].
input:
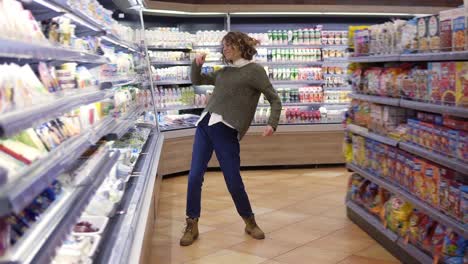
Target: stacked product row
[{"x": 410, "y": 224}]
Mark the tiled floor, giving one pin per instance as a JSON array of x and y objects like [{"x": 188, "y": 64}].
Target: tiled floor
[{"x": 301, "y": 210}]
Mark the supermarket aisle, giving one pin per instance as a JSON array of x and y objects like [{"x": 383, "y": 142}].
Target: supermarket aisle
[{"x": 301, "y": 210}]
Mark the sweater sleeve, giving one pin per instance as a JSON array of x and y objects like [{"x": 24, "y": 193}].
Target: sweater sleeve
[
  {"x": 199, "y": 78},
  {"x": 262, "y": 83}
]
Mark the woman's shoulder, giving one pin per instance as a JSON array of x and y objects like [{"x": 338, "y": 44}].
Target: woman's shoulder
[{"x": 255, "y": 66}]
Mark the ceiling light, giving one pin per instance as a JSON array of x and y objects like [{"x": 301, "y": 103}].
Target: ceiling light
[
  {"x": 49, "y": 5},
  {"x": 175, "y": 12}
]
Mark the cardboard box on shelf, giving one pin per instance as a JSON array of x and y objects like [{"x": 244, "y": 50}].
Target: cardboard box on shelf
[
  {"x": 434, "y": 33},
  {"x": 446, "y": 30},
  {"x": 459, "y": 28},
  {"x": 442, "y": 83},
  {"x": 462, "y": 83},
  {"x": 423, "y": 41}
]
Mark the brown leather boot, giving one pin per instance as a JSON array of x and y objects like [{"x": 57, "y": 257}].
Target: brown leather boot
[
  {"x": 190, "y": 232},
  {"x": 252, "y": 228}
]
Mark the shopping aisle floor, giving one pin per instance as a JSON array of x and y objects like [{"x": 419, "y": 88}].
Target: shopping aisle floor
[{"x": 301, "y": 211}]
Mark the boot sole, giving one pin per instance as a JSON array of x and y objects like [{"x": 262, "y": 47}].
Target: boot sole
[
  {"x": 189, "y": 243},
  {"x": 250, "y": 234}
]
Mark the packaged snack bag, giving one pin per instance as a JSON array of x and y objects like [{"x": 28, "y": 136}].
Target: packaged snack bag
[
  {"x": 388, "y": 82},
  {"x": 414, "y": 227},
  {"x": 459, "y": 30},
  {"x": 397, "y": 213},
  {"x": 454, "y": 248},
  {"x": 372, "y": 78},
  {"x": 356, "y": 81},
  {"x": 454, "y": 199},
  {"x": 437, "y": 241},
  {"x": 355, "y": 182},
  {"x": 462, "y": 84},
  {"x": 431, "y": 180}
]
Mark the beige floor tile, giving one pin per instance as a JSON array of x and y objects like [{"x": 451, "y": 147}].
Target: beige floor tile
[
  {"x": 281, "y": 217},
  {"x": 307, "y": 255},
  {"x": 266, "y": 248},
  {"x": 376, "y": 251},
  {"x": 363, "y": 260},
  {"x": 301, "y": 211},
  {"x": 270, "y": 261},
  {"x": 229, "y": 257}
]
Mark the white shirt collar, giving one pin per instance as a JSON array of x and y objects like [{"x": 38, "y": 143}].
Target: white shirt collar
[{"x": 240, "y": 63}]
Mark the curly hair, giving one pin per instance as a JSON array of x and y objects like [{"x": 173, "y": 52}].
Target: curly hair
[{"x": 242, "y": 42}]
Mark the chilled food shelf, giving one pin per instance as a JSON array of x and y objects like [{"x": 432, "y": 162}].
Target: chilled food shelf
[
  {"x": 362, "y": 131},
  {"x": 376, "y": 99},
  {"x": 441, "y": 159},
  {"x": 405, "y": 252},
  {"x": 308, "y": 104},
  {"x": 160, "y": 48},
  {"x": 171, "y": 63},
  {"x": 179, "y": 107},
  {"x": 433, "y": 108},
  {"x": 125, "y": 123},
  {"x": 16, "y": 121},
  {"x": 375, "y": 58},
  {"x": 290, "y": 63},
  {"x": 297, "y": 82},
  {"x": 15, "y": 195},
  {"x": 121, "y": 232},
  {"x": 439, "y": 56},
  {"x": 35, "y": 51},
  {"x": 207, "y": 46},
  {"x": 40, "y": 242},
  {"x": 290, "y": 46},
  {"x": 110, "y": 39},
  {"x": 181, "y": 82},
  {"x": 426, "y": 208}
]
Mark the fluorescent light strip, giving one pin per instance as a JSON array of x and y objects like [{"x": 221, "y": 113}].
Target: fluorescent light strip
[
  {"x": 175, "y": 12},
  {"x": 324, "y": 13},
  {"x": 49, "y": 5}
]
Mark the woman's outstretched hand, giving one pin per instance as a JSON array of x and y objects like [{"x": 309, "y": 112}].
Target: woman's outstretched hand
[
  {"x": 268, "y": 131},
  {"x": 200, "y": 59}
]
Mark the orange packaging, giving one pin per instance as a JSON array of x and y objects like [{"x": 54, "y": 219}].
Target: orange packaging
[
  {"x": 419, "y": 186},
  {"x": 461, "y": 90},
  {"x": 431, "y": 181}
]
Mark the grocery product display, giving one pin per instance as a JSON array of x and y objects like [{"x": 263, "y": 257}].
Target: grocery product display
[
  {"x": 70, "y": 89},
  {"x": 407, "y": 128}
]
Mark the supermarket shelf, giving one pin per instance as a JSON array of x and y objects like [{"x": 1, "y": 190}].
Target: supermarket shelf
[
  {"x": 338, "y": 60},
  {"x": 376, "y": 99},
  {"x": 375, "y": 58},
  {"x": 179, "y": 107},
  {"x": 307, "y": 104},
  {"x": 181, "y": 82},
  {"x": 406, "y": 253},
  {"x": 70, "y": 214},
  {"x": 125, "y": 123},
  {"x": 290, "y": 46},
  {"x": 444, "y": 160},
  {"x": 107, "y": 83},
  {"x": 439, "y": 56},
  {"x": 39, "y": 243},
  {"x": 171, "y": 63},
  {"x": 33, "y": 51},
  {"x": 335, "y": 46},
  {"x": 337, "y": 88},
  {"x": 180, "y": 48},
  {"x": 126, "y": 231},
  {"x": 362, "y": 131},
  {"x": 16, "y": 121},
  {"x": 16, "y": 195},
  {"x": 427, "y": 209},
  {"x": 122, "y": 44},
  {"x": 207, "y": 47},
  {"x": 316, "y": 82},
  {"x": 433, "y": 108},
  {"x": 290, "y": 63}
]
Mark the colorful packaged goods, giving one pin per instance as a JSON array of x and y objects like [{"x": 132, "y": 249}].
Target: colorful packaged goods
[
  {"x": 409, "y": 37},
  {"x": 442, "y": 85},
  {"x": 354, "y": 185},
  {"x": 461, "y": 90},
  {"x": 396, "y": 215},
  {"x": 459, "y": 30},
  {"x": 446, "y": 29},
  {"x": 431, "y": 179},
  {"x": 423, "y": 34},
  {"x": 464, "y": 204},
  {"x": 434, "y": 33},
  {"x": 420, "y": 230},
  {"x": 454, "y": 248}
]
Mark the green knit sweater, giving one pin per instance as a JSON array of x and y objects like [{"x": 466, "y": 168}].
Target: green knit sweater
[{"x": 236, "y": 94}]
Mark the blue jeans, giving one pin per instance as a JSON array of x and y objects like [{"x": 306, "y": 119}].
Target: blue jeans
[{"x": 223, "y": 140}]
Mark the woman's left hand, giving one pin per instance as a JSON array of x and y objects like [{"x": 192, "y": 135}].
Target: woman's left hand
[{"x": 268, "y": 131}]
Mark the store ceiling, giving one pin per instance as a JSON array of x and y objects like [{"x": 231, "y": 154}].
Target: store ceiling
[{"x": 447, "y": 3}]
